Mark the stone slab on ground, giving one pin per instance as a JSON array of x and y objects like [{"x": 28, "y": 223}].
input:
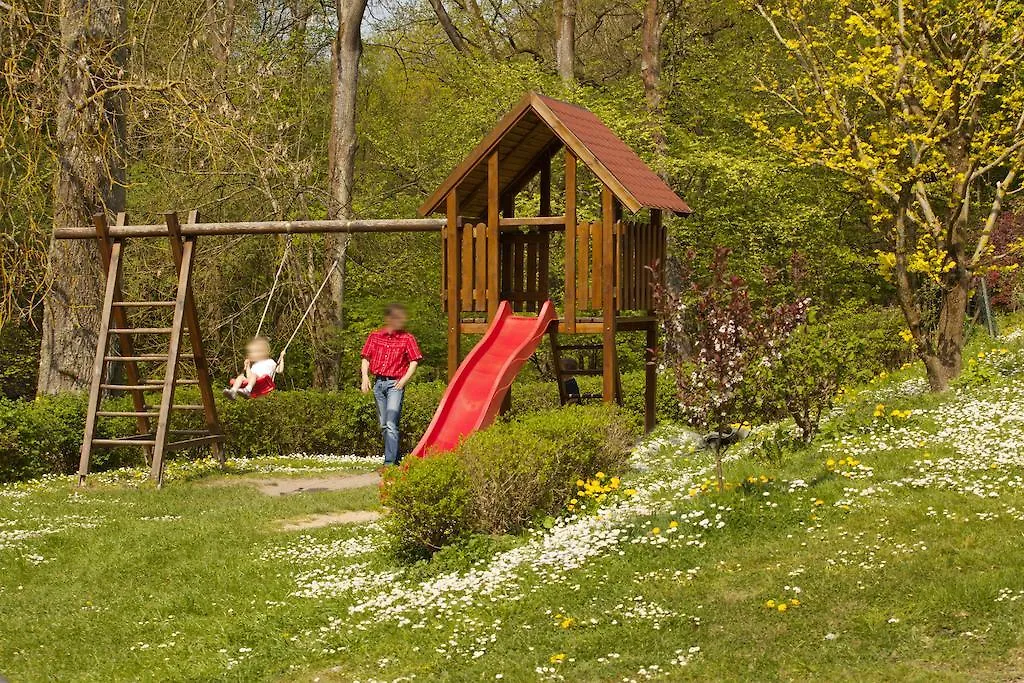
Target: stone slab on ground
[
  {"x": 329, "y": 519},
  {"x": 283, "y": 486}
]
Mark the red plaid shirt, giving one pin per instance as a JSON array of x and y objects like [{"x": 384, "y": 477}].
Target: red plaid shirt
[{"x": 390, "y": 353}]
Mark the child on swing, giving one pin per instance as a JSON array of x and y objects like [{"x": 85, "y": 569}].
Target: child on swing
[{"x": 260, "y": 368}]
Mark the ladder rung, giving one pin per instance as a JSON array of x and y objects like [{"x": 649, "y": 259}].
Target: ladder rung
[
  {"x": 124, "y": 442},
  {"x": 189, "y": 407},
  {"x": 189, "y": 432},
  {"x": 198, "y": 441},
  {"x": 144, "y": 304},
  {"x": 180, "y": 382},
  {"x": 132, "y": 387},
  {"x": 140, "y": 330},
  {"x": 125, "y": 413},
  {"x": 148, "y": 356}
]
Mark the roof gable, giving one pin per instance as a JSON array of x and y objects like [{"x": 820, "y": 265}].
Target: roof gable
[{"x": 531, "y": 132}]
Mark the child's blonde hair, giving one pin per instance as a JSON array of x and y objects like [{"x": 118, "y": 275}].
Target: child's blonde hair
[{"x": 261, "y": 343}]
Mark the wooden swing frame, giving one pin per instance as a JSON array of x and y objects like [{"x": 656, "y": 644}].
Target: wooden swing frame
[{"x": 608, "y": 279}]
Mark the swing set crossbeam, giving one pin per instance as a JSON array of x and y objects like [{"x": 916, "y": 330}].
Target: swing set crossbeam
[{"x": 260, "y": 228}]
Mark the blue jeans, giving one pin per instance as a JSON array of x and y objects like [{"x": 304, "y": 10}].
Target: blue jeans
[{"x": 389, "y": 410}]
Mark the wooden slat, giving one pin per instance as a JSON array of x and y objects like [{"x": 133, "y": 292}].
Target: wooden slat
[
  {"x": 466, "y": 284},
  {"x": 178, "y": 382},
  {"x": 570, "y": 243},
  {"x": 532, "y": 221},
  {"x": 532, "y": 271},
  {"x": 480, "y": 266},
  {"x": 140, "y": 330},
  {"x": 130, "y": 387},
  {"x": 452, "y": 282},
  {"x": 126, "y": 413},
  {"x": 506, "y": 267},
  {"x": 518, "y": 275},
  {"x": 124, "y": 443},
  {"x": 583, "y": 266},
  {"x": 597, "y": 258},
  {"x": 187, "y": 406},
  {"x": 144, "y": 304}
]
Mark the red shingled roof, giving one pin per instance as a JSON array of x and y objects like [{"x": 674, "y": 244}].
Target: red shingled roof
[
  {"x": 647, "y": 187},
  {"x": 532, "y": 131}
]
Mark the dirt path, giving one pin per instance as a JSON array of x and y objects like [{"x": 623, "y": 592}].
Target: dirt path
[{"x": 283, "y": 486}]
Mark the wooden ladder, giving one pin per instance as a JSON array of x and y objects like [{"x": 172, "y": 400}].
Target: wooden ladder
[
  {"x": 562, "y": 375},
  {"x": 114, "y": 322}
]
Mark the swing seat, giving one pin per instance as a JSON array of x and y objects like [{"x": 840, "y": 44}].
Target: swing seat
[{"x": 263, "y": 386}]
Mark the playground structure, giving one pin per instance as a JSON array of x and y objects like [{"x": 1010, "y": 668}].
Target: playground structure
[{"x": 493, "y": 263}]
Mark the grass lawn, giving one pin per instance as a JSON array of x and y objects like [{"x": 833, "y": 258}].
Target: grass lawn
[{"x": 895, "y": 543}]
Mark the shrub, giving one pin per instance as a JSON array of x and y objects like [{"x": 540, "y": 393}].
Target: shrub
[
  {"x": 529, "y": 467},
  {"x": 516, "y": 472},
  {"x": 430, "y": 502}
]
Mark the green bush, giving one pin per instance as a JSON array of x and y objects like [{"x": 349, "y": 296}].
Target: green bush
[
  {"x": 430, "y": 505},
  {"x": 44, "y": 435},
  {"x": 516, "y": 472}
]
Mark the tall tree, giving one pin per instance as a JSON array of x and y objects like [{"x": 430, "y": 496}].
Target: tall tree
[
  {"x": 90, "y": 179},
  {"x": 565, "y": 44},
  {"x": 921, "y": 107},
  {"x": 346, "y": 52},
  {"x": 650, "y": 70},
  {"x": 220, "y": 29}
]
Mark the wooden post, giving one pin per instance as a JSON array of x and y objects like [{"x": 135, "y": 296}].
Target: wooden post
[
  {"x": 508, "y": 210},
  {"x": 545, "y": 188},
  {"x": 610, "y": 368},
  {"x": 454, "y": 275},
  {"x": 184, "y": 253},
  {"x": 493, "y": 235},
  {"x": 195, "y": 335},
  {"x": 113, "y": 271},
  {"x": 570, "y": 243}
]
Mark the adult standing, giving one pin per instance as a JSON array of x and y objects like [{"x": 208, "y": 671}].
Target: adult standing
[{"x": 391, "y": 355}]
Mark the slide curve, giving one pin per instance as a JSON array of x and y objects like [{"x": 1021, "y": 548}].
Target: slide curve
[{"x": 474, "y": 395}]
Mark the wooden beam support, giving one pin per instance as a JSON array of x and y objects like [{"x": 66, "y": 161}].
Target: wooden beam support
[
  {"x": 262, "y": 228},
  {"x": 493, "y": 228},
  {"x": 610, "y": 358},
  {"x": 453, "y": 272},
  {"x": 545, "y": 187},
  {"x": 195, "y": 335},
  {"x": 570, "y": 242}
]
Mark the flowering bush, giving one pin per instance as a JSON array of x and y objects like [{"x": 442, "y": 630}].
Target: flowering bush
[{"x": 716, "y": 337}]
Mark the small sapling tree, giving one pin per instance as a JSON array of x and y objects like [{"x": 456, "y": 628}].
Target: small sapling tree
[{"x": 715, "y": 337}]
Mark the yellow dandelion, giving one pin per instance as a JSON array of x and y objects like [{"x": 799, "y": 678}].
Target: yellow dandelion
[
  {"x": 558, "y": 658},
  {"x": 656, "y": 530},
  {"x": 782, "y": 607},
  {"x": 770, "y": 604}
]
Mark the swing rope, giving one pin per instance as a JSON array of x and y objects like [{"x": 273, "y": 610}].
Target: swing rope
[
  {"x": 273, "y": 287},
  {"x": 312, "y": 303}
]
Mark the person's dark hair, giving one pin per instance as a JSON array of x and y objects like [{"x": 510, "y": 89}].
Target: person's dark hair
[{"x": 394, "y": 309}]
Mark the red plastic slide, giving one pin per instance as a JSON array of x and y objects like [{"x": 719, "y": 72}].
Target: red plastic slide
[{"x": 474, "y": 395}]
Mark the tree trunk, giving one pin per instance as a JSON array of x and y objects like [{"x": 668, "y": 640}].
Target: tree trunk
[
  {"x": 565, "y": 45},
  {"x": 445, "y": 19},
  {"x": 650, "y": 71},
  {"x": 945, "y": 361},
  {"x": 220, "y": 27},
  {"x": 341, "y": 156},
  {"x": 90, "y": 179}
]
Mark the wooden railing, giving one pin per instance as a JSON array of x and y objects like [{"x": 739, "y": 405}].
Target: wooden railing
[{"x": 524, "y": 266}]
